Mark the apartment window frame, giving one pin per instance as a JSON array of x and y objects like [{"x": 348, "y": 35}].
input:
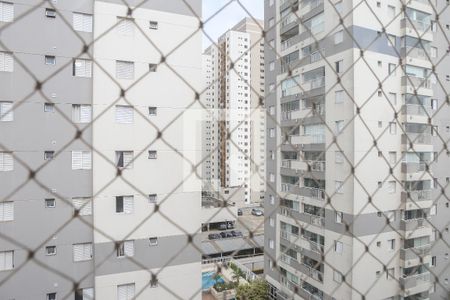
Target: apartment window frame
[
  {"x": 82, "y": 22},
  {"x": 82, "y": 68},
  {"x": 152, "y": 111},
  {"x": 125, "y": 249},
  {"x": 153, "y": 241},
  {"x": 125, "y": 70},
  {"x": 124, "y": 114},
  {"x": 50, "y": 60},
  {"x": 50, "y": 250},
  {"x": 153, "y": 198},
  {"x": 50, "y": 203},
  {"x": 49, "y": 107},
  {"x": 126, "y": 291},
  {"x": 83, "y": 205},
  {"x": 6, "y": 12},
  {"x": 6, "y": 161},
  {"x": 6, "y": 260},
  {"x": 339, "y": 37},
  {"x": 8, "y": 61},
  {"x": 81, "y": 113},
  {"x": 338, "y": 247},
  {"x": 49, "y": 155},
  {"x": 51, "y": 296},
  {"x": 153, "y": 25},
  {"x": 87, "y": 252},
  {"x": 6, "y": 111},
  {"x": 124, "y": 204},
  {"x": 50, "y": 13},
  {"x": 6, "y": 211},
  {"x": 81, "y": 160},
  {"x": 124, "y": 159},
  {"x": 152, "y": 154}
]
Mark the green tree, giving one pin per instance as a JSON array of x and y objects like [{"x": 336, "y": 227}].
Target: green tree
[{"x": 255, "y": 290}]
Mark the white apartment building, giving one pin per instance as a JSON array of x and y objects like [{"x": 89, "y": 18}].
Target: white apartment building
[
  {"x": 234, "y": 134},
  {"x": 116, "y": 208},
  {"x": 357, "y": 157}
]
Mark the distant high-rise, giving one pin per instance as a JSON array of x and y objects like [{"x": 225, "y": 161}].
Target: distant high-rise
[
  {"x": 234, "y": 133},
  {"x": 106, "y": 129},
  {"x": 357, "y": 149}
]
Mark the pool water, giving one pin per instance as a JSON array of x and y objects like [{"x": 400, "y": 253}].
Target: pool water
[{"x": 208, "y": 280}]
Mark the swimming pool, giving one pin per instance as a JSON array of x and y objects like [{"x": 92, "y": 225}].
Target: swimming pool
[{"x": 208, "y": 280}]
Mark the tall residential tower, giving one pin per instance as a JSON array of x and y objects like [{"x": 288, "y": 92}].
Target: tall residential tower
[
  {"x": 95, "y": 144},
  {"x": 357, "y": 149}
]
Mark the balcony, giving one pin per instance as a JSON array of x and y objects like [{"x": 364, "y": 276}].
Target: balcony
[
  {"x": 423, "y": 86},
  {"x": 412, "y": 224},
  {"x": 415, "y": 253},
  {"x": 314, "y": 193},
  {"x": 416, "y": 283},
  {"x": 294, "y": 40},
  {"x": 416, "y": 196},
  {"x": 308, "y": 6},
  {"x": 415, "y": 170},
  {"x": 415, "y": 52},
  {"x": 417, "y": 28},
  {"x": 416, "y": 113},
  {"x": 416, "y": 139},
  {"x": 307, "y": 139},
  {"x": 314, "y": 83}
]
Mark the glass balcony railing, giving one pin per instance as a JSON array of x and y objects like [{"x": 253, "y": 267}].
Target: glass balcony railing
[
  {"x": 416, "y": 110},
  {"x": 417, "y": 196}
]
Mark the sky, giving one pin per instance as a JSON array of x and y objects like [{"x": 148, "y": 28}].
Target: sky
[{"x": 228, "y": 17}]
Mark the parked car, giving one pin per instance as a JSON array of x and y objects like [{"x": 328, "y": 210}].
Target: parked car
[
  {"x": 230, "y": 225},
  {"x": 223, "y": 226},
  {"x": 214, "y": 236},
  {"x": 226, "y": 234},
  {"x": 257, "y": 212},
  {"x": 236, "y": 233},
  {"x": 239, "y": 212}
]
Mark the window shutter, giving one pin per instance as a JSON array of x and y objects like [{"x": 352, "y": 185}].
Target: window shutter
[
  {"x": 124, "y": 70},
  {"x": 127, "y": 159},
  {"x": 6, "y": 62},
  {"x": 88, "y": 294},
  {"x": 129, "y": 248},
  {"x": 87, "y": 251},
  {"x": 130, "y": 291},
  {"x": 6, "y": 260},
  {"x": 86, "y": 160},
  {"x": 6, "y": 112},
  {"x": 78, "y": 252},
  {"x": 124, "y": 114},
  {"x": 77, "y": 160},
  {"x": 85, "y": 113},
  {"x": 6, "y": 161},
  {"x": 84, "y": 205},
  {"x": 125, "y": 26},
  {"x": 6, "y": 12},
  {"x": 76, "y": 113},
  {"x": 87, "y": 23},
  {"x": 80, "y": 67},
  {"x": 128, "y": 204},
  {"x": 7, "y": 211},
  {"x": 78, "y": 22},
  {"x": 88, "y": 68}
]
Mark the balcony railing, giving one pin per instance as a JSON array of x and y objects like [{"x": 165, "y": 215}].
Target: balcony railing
[
  {"x": 415, "y": 253},
  {"x": 417, "y": 196},
  {"x": 413, "y": 167},
  {"x": 415, "y": 25},
  {"x": 416, "y": 82},
  {"x": 416, "y": 52},
  {"x": 417, "y": 138},
  {"x": 310, "y": 5},
  {"x": 314, "y": 193},
  {"x": 415, "y": 280},
  {"x": 318, "y": 166},
  {"x": 412, "y": 224},
  {"x": 314, "y": 83},
  {"x": 416, "y": 110}
]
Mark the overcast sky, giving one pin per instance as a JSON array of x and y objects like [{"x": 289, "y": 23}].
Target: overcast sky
[{"x": 229, "y": 16}]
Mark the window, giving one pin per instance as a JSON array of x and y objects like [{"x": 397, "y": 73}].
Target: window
[
  {"x": 125, "y": 204},
  {"x": 391, "y": 244},
  {"x": 6, "y": 260},
  {"x": 433, "y": 210},
  {"x": 152, "y": 198},
  {"x": 433, "y": 261},
  {"x": 339, "y": 126},
  {"x": 339, "y": 216},
  {"x": 391, "y": 40},
  {"x": 51, "y": 296},
  {"x": 125, "y": 26},
  {"x": 393, "y": 98},
  {"x": 272, "y": 132},
  {"x": 271, "y": 244},
  {"x": 124, "y": 159},
  {"x": 271, "y": 2},
  {"x": 84, "y": 294},
  {"x": 50, "y": 250},
  {"x": 338, "y": 157},
  {"x": 153, "y": 241},
  {"x": 49, "y": 107},
  {"x": 6, "y": 12},
  {"x": 337, "y": 276},
  {"x": 82, "y": 68},
  {"x": 390, "y": 274},
  {"x": 152, "y": 154},
  {"x": 272, "y": 177},
  {"x": 434, "y": 104},
  {"x": 49, "y": 155},
  {"x": 392, "y": 186},
  {"x": 82, "y": 22},
  {"x": 153, "y": 25},
  {"x": 50, "y": 203},
  {"x": 392, "y": 128},
  {"x": 83, "y": 205},
  {"x": 50, "y": 60},
  {"x": 434, "y": 130},
  {"x": 152, "y": 67},
  {"x": 272, "y": 199},
  {"x": 271, "y": 22},
  {"x": 82, "y": 252},
  {"x": 124, "y": 69},
  {"x": 6, "y": 211},
  {"x": 50, "y": 13},
  {"x": 6, "y": 162},
  {"x": 392, "y": 68},
  {"x": 125, "y": 248},
  {"x": 81, "y": 113},
  {"x": 124, "y": 114},
  {"x": 339, "y": 187},
  {"x": 338, "y": 247},
  {"x": 272, "y": 66},
  {"x": 339, "y": 97},
  {"x": 81, "y": 160},
  {"x": 338, "y": 37},
  {"x": 125, "y": 291},
  {"x": 434, "y": 52},
  {"x": 391, "y": 12},
  {"x": 152, "y": 111},
  {"x": 272, "y": 222},
  {"x": 392, "y": 157},
  {"x": 6, "y": 111},
  {"x": 6, "y": 62},
  {"x": 272, "y": 110},
  {"x": 338, "y": 65}
]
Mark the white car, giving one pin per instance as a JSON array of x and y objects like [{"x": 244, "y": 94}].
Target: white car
[{"x": 257, "y": 212}]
